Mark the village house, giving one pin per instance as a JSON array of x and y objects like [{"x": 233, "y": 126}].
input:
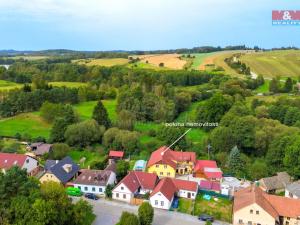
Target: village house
[
  {"x": 229, "y": 185},
  {"x": 167, "y": 188},
  {"x": 135, "y": 183},
  {"x": 293, "y": 190},
  {"x": 95, "y": 181},
  {"x": 207, "y": 169},
  {"x": 40, "y": 148},
  {"x": 8, "y": 160},
  {"x": 276, "y": 183},
  {"x": 254, "y": 206},
  {"x": 167, "y": 163},
  {"x": 61, "y": 171},
  {"x": 207, "y": 185}
]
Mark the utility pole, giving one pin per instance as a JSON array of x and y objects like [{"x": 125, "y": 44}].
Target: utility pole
[{"x": 208, "y": 151}]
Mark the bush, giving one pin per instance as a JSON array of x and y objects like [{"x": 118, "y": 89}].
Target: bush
[{"x": 145, "y": 213}]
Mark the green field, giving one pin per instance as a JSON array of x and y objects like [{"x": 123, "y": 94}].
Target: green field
[
  {"x": 102, "y": 62},
  {"x": 274, "y": 63},
  {"x": 263, "y": 88},
  {"x": 7, "y": 85},
  {"x": 68, "y": 84},
  {"x": 26, "y": 123},
  {"x": 199, "y": 59}
]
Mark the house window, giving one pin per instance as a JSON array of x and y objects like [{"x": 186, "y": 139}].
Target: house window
[
  {"x": 156, "y": 202},
  {"x": 117, "y": 195},
  {"x": 93, "y": 189},
  {"x": 85, "y": 188},
  {"x": 100, "y": 189},
  {"x": 124, "y": 196},
  {"x": 168, "y": 174},
  {"x": 240, "y": 221},
  {"x": 288, "y": 218},
  {"x": 193, "y": 194},
  {"x": 27, "y": 160},
  {"x": 249, "y": 222},
  {"x": 251, "y": 211},
  {"x": 165, "y": 166},
  {"x": 161, "y": 173},
  {"x": 157, "y": 166},
  {"x": 257, "y": 212},
  {"x": 162, "y": 203},
  {"x": 287, "y": 223},
  {"x": 122, "y": 188},
  {"x": 79, "y": 187}
]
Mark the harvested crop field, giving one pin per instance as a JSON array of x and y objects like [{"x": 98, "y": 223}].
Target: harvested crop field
[
  {"x": 171, "y": 61},
  {"x": 102, "y": 62}
]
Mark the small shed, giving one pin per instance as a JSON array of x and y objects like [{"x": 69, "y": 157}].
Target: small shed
[
  {"x": 115, "y": 154},
  {"x": 140, "y": 165}
]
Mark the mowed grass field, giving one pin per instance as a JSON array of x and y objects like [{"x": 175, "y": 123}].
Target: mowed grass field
[
  {"x": 102, "y": 62},
  {"x": 34, "y": 125},
  {"x": 7, "y": 85},
  {"x": 200, "y": 59},
  {"x": 283, "y": 63}
]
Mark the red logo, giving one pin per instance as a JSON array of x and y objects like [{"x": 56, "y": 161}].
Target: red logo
[{"x": 286, "y": 15}]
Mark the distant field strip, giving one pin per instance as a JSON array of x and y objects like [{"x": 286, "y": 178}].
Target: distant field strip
[{"x": 102, "y": 62}]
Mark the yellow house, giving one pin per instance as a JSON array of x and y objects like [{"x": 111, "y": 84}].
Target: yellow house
[
  {"x": 252, "y": 206},
  {"x": 167, "y": 163},
  {"x": 60, "y": 171}
]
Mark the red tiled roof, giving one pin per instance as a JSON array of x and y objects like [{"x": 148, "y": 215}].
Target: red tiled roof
[
  {"x": 118, "y": 154},
  {"x": 209, "y": 168},
  {"x": 184, "y": 156},
  {"x": 7, "y": 160},
  {"x": 166, "y": 187},
  {"x": 251, "y": 195},
  {"x": 209, "y": 185},
  {"x": 185, "y": 185},
  {"x": 168, "y": 156},
  {"x": 136, "y": 179}
]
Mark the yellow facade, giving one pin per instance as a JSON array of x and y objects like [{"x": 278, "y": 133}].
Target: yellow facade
[
  {"x": 49, "y": 177},
  {"x": 162, "y": 170},
  {"x": 184, "y": 168}
]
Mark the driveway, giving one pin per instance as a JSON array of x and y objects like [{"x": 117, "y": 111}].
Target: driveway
[{"x": 109, "y": 212}]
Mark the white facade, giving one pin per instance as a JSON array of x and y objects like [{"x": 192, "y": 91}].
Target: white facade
[
  {"x": 96, "y": 189},
  {"x": 30, "y": 164},
  {"x": 290, "y": 195},
  {"x": 122, "y": 193},
  {"x": 160, "y": 201},
  {"x": 187, "y": 194}
]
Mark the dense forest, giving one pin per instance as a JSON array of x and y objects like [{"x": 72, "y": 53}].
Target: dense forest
[{"x": 255, "y": 137}]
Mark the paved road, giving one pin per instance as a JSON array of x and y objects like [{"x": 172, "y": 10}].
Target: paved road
[{"x": 109, "y": 212}]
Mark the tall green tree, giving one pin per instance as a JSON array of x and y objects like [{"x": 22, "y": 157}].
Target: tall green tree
[
  {"x": 101, "y": 116},
  {"x": 122, "y": 168},
  {"x": 288, "y": 85},
  {"x": 146, "y": 213},
  {"x": 128, "y": 219},
  {"x": 235, "y": 163}
]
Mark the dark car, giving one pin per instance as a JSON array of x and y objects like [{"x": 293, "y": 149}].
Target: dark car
[
  {"x": 205, "y": 217},
  {"x": 91, "y": 196}
]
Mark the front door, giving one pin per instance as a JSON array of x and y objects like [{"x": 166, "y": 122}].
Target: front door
[{"x": 189, "y": 195}]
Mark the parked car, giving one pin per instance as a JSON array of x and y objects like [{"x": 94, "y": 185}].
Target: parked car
[
  {"x": 205, "y": 217},
  {"x": 73, "y": 191},
  {"x": 91, "y": 196}
]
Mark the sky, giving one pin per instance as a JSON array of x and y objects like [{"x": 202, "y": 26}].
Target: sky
[{"x": 101, "y": 25}]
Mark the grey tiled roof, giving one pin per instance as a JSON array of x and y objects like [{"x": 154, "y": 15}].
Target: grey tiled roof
[{"x": 294, "y": 188}]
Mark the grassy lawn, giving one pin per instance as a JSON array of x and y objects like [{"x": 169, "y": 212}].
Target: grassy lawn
[
  {"x": 85, "y": 109},
  {"x": 68, "y": 84},
  {"x": 220, "y": 210},
  {"x": 263, "y": 88},
  {"x": 185, "y": 206},
  {"x": 7, "y": 85},
  {"x": 26, "y": 123},
  {"x": 90, "y": 156},
  {"x": 102, "y": 62},
  {"x": 144, "y": 127}
]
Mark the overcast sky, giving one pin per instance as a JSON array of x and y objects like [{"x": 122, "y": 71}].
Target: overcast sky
[{"x": 142, "y": 24}]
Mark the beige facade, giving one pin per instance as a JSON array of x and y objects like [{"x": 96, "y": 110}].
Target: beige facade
[
  {"x": 253, "y": 215},
  {"x": 49, "y": 177}
]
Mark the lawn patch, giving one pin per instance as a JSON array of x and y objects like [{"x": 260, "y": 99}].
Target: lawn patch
[
  {"x": 90, "y": 156},
  {"x": 185, "y": 205}
]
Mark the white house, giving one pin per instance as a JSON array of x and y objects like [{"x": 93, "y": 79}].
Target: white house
[
  {"x": 136, "y": 182},
  {"x": 8, "y": 160},
  {"x": 96, "y": 181},
  {"x": 163, "y": 194}
]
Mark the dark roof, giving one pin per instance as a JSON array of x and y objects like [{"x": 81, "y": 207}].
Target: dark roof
[
  {"x": 49, "y": 163},
  {"x": 111, "y": 167},
  {"x": 59, "y": 169},
  {"x": 42, "y": 149},
  {"x": 93, "y": 177},
  {"x": 280, "y": 181}
]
